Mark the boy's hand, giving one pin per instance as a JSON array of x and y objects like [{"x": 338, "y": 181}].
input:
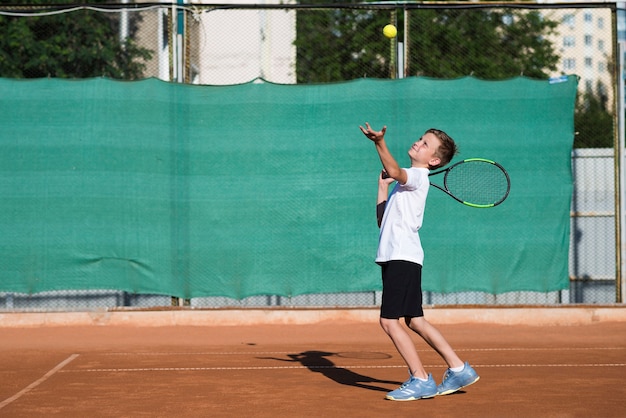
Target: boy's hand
[
  {"x": 384, "y": 178},
  {"x": 372, "y": 135}
]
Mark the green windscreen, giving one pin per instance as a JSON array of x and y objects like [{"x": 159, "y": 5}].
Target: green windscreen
[{"x": 190, "y": 191}]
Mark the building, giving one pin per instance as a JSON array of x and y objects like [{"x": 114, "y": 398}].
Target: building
[{"x": 584, "y": 40}]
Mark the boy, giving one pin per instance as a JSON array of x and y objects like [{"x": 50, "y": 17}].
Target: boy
[{"x": 400, "y": 256}]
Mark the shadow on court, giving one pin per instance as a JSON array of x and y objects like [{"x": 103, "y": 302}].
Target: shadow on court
[{"x": 319, "y": 362}]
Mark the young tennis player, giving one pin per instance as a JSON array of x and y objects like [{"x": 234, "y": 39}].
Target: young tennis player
[{"x": 400, "y": 256}]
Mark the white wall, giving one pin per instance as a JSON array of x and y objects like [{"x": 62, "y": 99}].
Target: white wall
[{"x": 238, "y": 46}]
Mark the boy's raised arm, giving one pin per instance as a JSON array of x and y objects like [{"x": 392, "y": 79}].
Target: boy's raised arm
[{"x": 389, "y": 163}]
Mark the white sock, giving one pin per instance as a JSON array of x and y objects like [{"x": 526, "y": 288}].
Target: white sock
[{"x": 457, "y": 369}]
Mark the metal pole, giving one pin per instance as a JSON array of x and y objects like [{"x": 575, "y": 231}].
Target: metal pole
[
  {"x": 400, "y": 55},
  {"x": 405, "y": 50},
  {"x": 163, "y": 47},
  {"x": 124, "y": 24},
  {"x": 620, "y": 97},
  {"x": 393, "y": 48},
  {"x": 619, "y": 161},
  {"x": 172, "y": 41},
  {"x": 180, "y": 50}
]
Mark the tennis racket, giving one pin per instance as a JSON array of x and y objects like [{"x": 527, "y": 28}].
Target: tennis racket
[{"x": 475, "y": 182}]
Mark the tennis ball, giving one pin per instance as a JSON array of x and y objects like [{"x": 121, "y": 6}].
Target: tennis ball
[{"x": 390, "y": 31}]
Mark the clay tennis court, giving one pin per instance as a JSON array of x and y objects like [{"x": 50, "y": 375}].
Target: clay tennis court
[{"x": 330, "y": 368}]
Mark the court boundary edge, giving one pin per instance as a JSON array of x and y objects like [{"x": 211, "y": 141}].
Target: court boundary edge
[{"x": 519, "y": 315}]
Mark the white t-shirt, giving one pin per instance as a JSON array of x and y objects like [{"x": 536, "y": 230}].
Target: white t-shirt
[{"x": 404, "y": 212}]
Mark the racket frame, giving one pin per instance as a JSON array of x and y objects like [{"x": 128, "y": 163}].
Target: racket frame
[{"x": 473, "y": 205}]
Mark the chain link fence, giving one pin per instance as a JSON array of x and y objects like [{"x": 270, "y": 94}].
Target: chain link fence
[{"x": 321, "y": 43}]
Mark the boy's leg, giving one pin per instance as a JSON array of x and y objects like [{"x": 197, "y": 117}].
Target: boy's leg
[
  {"x": 420, "y": 384},
  {"x": 435, "y": 339},
  {"x": 401, "y": 282},
  {"x": 452, "y": 380},
  {"x": 405, "y": 346}
]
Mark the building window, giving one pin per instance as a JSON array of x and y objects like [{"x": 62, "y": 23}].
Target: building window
[
  {"x": 588, "y": 62},
  {"x": 569, "y": 64},
  {"x": 569, "y": 41},
  {"x": 588, "y": 40},
  {"x": 588, "y": 17},
  {"x": 601, "y": 67},
  {"x": 568, "y": 20},
  {"x": 600, "y": 23},
  {"x": 600, "y": 45}
]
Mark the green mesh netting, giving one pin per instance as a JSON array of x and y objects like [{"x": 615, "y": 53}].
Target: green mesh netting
[{"x": 190, "y": 191}]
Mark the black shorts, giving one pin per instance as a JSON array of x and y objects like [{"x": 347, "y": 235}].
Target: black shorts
[{"x": 402, "y": 290}]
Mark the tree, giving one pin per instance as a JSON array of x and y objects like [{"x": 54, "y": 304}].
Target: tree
[
  {"x": 490, "y": 44},
  {"x": 493, "y": 43},
  {"x": 593, "y": 122},
  {"x": 337, "y": 44},
  {"x": 78, "y": 44}
]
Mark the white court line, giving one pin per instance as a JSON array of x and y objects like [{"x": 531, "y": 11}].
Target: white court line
[
  {"x": 229, "y": 353},
  {"x": 194, "y": 369},
  {"x": 38, "y": 382}
]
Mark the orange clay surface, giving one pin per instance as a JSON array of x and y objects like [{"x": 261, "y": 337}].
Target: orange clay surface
[{"x": 314, "y": 370}]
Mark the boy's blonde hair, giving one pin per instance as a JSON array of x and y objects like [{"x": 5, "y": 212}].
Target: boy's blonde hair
[{"x": 447, "y": 150}]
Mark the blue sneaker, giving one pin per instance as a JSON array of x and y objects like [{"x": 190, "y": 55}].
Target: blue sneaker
[
  {"x": 414, "y": 389},
  {"x": 454, "y": 381}
]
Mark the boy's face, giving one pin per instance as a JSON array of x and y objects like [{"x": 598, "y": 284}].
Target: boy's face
[{"x": 422, "y": 153}]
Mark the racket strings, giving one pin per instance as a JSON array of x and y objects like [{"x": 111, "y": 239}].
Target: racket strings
[{"x": 477, "y": 182}]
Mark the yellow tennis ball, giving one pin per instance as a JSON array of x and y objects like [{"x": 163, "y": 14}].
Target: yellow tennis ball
[{"x": 390, "y": 31}]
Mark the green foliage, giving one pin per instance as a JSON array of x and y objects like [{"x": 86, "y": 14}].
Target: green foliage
[
  {"x": 344, "y": 44},
  {"x": 336, "y": 45},
  {"x": 490, "y": 44},
  {"x": 593, "y": 122},
  {"x": 79, "y": 44}
]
